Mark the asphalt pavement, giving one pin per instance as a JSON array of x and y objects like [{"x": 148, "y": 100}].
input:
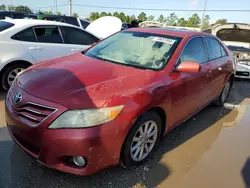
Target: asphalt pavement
[{"x": 209, "y": 150}]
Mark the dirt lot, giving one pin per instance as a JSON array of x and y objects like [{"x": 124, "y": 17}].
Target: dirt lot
[{"x": 209, "y": 150}]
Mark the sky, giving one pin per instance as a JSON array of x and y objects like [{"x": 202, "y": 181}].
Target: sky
[{"x": 243, "y": 17}]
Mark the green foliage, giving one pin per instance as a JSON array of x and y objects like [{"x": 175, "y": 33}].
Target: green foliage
[
  {"x": 142, "y": 16},
  {"x": 221, "y": 21},
  {"x": 205, "y": 22},
  {"x": 182, "y": 22},
  {"x": 161, "y": 19},
  {"x": 11, "y": 7},
  {"x": 194, "y": 21},
  {"x": 2, "y": 7},
  {"x": 151, "y": 18},
  {"x": 94, "y": 15},
  {"x": 172, "y": 19},
  {"x": 22, "y": 8},
  {"x": 75, "y": 15},
  {"x": 46, "y": 12}
]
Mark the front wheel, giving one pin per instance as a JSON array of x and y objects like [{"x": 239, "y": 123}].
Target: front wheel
[
  {"x": 10, "y": 74},
  {"x": 142, "y": 139},
  {"x": 224, "y": 94}
]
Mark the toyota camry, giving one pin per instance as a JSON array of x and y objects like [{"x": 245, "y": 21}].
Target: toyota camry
[{"x": 111, "y": 103}]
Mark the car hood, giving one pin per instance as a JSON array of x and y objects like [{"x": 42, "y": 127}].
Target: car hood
[
  {"x": 233, "y": 32},
  {"x": 78, "y": 81},
  {"x": 105, "y": 26}
]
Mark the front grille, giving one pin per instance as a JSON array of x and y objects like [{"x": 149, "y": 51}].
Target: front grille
[
  {"x": 31, "y": 113},
  {"x": 242, "y": 73}
]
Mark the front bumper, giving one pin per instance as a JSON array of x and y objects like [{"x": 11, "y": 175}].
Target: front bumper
[
  {"x": 100, "y": 145},
  {"x": 242, "y": 71}
]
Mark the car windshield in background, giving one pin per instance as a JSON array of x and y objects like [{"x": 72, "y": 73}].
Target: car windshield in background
[
  {"x": 136, "y": 49},
  {"x": 5, "y": 25}
]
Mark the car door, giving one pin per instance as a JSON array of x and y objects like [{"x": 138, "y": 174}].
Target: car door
[
  {"x": 76, "y": 39},
  {"x": 220, "y": 63},
  {"x": 189, "y": 91},
  {"x": 43, "y": 42}
]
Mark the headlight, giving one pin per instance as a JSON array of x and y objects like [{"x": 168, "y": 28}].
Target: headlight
[
  {"x": 86, "y": 118},
  {"x": 244, "y": 63}
]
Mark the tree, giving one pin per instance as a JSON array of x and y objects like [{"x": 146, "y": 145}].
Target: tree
[
  {"x": 103, "y": 14},
  {"x": 182, "y": 22},
  {"x": 122, "y": 16},
  {"x": 94, "y": 15},
  {"x": 22, "y": 8},
  {"x": 142, "y": 16},
  {"x": 221, "y": 21},
  {"x": 205, "y": 21},
  {"x": 151, "y": 18},
  {"x": 2, "y": 7},
  {"x": 194, "y": 21},
  {"x": 172, "y": 19},
  {"x": 75, "y": 15},
  {"x": 161, "y": 19},
  {"x": 47, "y": 12},
  {"x": 11, "y": 7},
  {"x": 59, "y": 13}
]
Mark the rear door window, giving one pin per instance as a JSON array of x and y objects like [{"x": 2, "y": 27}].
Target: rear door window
[
  {"x": 77, "y": 36},
  {"x": 5, "y": 25},
  {"x": 48, "y": 34},
  {"x": 194, "y": 51},
  {"x": 26, "y": 35},
  {"x": 214, "y": 48}
]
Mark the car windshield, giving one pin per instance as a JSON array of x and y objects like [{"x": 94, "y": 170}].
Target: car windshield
[{"x": 136, "y": 49}]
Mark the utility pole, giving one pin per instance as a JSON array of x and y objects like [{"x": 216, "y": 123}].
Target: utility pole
[
  {"x": 55, "y": 6},
  {"x": 70, "y": 7},
  {"x": 204, "y": 12}
]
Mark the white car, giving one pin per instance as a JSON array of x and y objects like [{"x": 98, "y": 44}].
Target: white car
[
  {"x": 236, "y": 37},
  {"x": 26, "y": 42}
]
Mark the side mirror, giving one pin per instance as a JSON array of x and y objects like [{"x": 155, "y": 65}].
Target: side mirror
[{"x": 189, "y": 66}]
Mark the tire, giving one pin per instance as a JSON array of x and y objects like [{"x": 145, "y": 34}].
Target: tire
[
  {"x": 224, "y": 94},
  {"x": 153, "y": 120},
  {"x": 11, "y": 69}
]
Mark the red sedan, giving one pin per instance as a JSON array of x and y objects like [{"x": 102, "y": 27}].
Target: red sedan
[{"x": 113, "y": 102}]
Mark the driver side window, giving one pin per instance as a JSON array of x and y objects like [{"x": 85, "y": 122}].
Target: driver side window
[{"x": 194, "y": 51}]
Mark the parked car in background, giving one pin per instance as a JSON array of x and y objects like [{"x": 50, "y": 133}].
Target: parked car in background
[
  {"x": 112, "y": 103},
  {"x": 236, "y": 37},
  {"x": 16, "y": 15},
  {"x": 126, "y": 25},
  {"x": 26, "y": 42},
  {"x": 65, "y": 19}
]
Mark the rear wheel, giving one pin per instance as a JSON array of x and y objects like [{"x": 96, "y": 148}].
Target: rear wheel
[
  {"x": 10, "y": 74},
  {"x": 224, "y": 94},
  {"x": 142, "y": 139}
]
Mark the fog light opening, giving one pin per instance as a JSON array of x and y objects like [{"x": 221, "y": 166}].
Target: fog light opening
[{"x": 79, "y": 161}]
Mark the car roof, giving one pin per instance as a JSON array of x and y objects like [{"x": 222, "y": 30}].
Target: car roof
[
  {"x": 168, "y": 31},
  {"x": 28, "y": 22}
]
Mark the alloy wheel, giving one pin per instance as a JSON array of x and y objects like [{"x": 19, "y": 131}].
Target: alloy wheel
[
  {"x": 12, "y": 75},
  {"x": 144, "y": 140}
]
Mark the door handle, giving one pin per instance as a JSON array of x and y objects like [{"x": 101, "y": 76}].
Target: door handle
[
  {"x": 75, "y": 50},
  {"x": 35, "y": 48}
]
